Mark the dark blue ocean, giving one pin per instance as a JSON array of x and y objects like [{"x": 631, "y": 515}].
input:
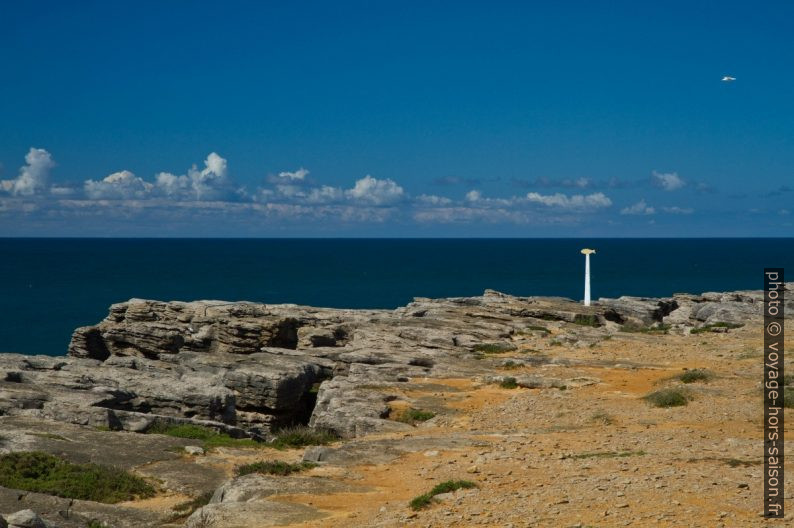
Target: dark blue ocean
[{"x": 51, "y": 286}]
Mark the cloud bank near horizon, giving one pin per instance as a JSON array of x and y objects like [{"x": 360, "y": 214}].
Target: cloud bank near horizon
[{"x": 209, "y": 191}]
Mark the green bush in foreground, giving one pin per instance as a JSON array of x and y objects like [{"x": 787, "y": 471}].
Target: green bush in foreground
[
  {"x": 691, "y": 376},
  {"x": 44, "y": 473},
  {"x": 274, "y": 467},
  {"x": 509, "y": 383},
  {"x": 425, "y": 499},
  {"x": 667, "y": 398},
  {"x": 412, "y": 416},
  {"x": 208, "y": 437},
  {"x": 302, "y": 436}
]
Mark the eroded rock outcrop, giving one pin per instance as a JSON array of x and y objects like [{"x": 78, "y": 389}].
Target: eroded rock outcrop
[{"x": 245, "y": 367}]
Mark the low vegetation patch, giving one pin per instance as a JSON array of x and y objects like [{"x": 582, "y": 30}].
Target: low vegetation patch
[
  {"x": 207, "y": 436},
  {"x": 672, "y": 397},
  {"x": 608, "y": 454},
  {"x": 493, "y": 348},
  {"x": 413, "y": 416},
  {"x": 302, "y": 436},
  {"x": 715, "y": 327},
  {"x": 44, "y": 473},
  {"x": 586, "y": 320},
  {"x": 511, "y": 365},
  {"x": 640, "y": 329},
  {"x": 426, "y": 499},
  {"x": 694, "y": 375},
  {"x": 508, "y": 383},
  {"x": 274, "y": 467}
]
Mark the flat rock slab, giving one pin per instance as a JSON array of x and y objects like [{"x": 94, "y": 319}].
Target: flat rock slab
[
  {"x": 65, "y": 513},
  {"x": 85, "y": 444}
]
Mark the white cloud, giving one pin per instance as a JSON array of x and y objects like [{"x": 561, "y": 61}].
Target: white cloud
[
  {"x": 123, "y": 185},
  {"x": 669, "y": 181},
  {"x": 639, "y": 208},
  {"x": 33, "y": 175},
  {"x": 678, "y": 210},
  {"x": 375, "y": 191},
  {"x": 207, "y": 182},
  {"x": 432, "y": 200},
  {"x": 325, "y": 194},
  {"x": 298, "y": 175},
  {"x": 473, "y": 196},
  {"x": 210, "y": 183},
  {"x": 577, "y": 201}
]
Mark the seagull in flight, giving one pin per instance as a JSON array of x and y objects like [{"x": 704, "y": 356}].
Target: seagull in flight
[{"x": 728, "y": 78}]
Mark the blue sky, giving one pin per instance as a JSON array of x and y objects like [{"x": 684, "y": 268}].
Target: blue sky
[{"x": 396, "y": 119}]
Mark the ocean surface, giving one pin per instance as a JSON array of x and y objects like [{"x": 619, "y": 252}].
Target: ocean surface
[{"x": 51, "y": 286}]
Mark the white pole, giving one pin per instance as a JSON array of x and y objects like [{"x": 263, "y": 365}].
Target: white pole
[
  {"x": 586, "y": 252},
  {"x": 587, "y": 280}
]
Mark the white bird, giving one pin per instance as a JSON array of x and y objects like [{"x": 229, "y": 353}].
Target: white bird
[{"x": 728, "y": 78}]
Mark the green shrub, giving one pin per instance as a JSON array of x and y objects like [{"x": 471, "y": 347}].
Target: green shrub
[
  {"x": 44, "y": 473},
  {"x": 493, "y": 348},
  {"x": 274, "y": 467},
  {"x": 691, "y": 376},
  {"x": 668, "y": 398},
  {"x": 207, "y": 436},
  {"x": 586, "y": 320},
  {"x": 302, "y": 436},
  {"x": 412, "y": 416},
  {"x": 510, "y": 365},
  {"x": 508, "y": 383},
  {"x": 424, "y": 500},
  {"x": 639, "y": 329}
]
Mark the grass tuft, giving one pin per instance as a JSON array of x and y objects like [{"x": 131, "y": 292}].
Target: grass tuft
[
  {"x": 425, "y": 499},
  {"x": 713, "y": 327},
  {"x": 302, "y": 436},
  {"x": 208, "y": 437},
  {"x": 274, "y": 467},
  {"x": 509, "y": 383},
  {"x": 510, "y": 365},
  {"x": 493, "y": 348},
  {"x": 667, "y": 398},
  {"x": 639, "y": 329},
  {"x": 44, "y": 473},
  {"x": 412, "y": 416},
  {"x": 691, "y": 376},
  {"x": 586, "y": 320}
]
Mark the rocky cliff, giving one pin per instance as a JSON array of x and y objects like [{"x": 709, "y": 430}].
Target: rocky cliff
[{"x": 247, "y": 368}]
